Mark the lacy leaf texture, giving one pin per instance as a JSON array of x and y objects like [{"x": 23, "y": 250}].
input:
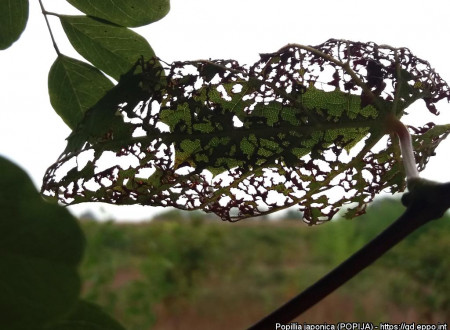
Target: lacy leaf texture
[{"x": 302, "y": 126}]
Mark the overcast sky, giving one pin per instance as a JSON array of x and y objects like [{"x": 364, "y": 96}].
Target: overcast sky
[{"x": 33, "y": 136}]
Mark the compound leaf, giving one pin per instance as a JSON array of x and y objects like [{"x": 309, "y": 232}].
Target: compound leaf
[
  {"x": 13, "y": 19},
  {"x": 111, "y": 48},
  {"x": 131, "y": 13},
  {"x": 295, "y": 128},
  {"x": 74, "y": 87}
]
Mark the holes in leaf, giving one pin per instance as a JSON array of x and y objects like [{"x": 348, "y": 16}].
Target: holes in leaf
[
  {"x": 237, "y": 88},
  {"x": 92, "y": 185},
  {"x": 290, "y": 129},
  {"x": 108, "y": 157},
  {"x": 84, "y": 158},
  {"x": 223, "y": 93}
]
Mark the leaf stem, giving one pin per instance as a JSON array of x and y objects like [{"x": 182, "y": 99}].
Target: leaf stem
[
  {"x": 45, "y": 13},
  {"x": 406, "y": 147}
]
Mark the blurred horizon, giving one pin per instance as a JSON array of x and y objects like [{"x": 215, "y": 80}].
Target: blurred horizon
[{"x": 185, "y": 271}]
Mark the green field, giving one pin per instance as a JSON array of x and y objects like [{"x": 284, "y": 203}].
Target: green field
[{"x": 188, "y": 271}]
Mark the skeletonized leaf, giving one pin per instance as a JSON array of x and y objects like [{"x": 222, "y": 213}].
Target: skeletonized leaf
[
  {"x": 295, "y": 128},
  {"x": 74, "y": 87},
  {"x": 111, "y": 48},
  {"x": 41, "y": 246},
  {"x": 132, "y": 13},
  {"x": 13, "y": 19}
]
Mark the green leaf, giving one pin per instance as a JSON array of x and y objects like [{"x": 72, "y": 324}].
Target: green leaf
[
  {"x": 132, "y": 13},
  {"x": 13, "y": 19},
  {"x": 426, "y": 142},
  {"x": 105, "y": 116},
  {"x": 86, "y": 316},
  {"x": 41, "y": 246},
  {"x": 111, "y": 48},
  {"x": 74, "y": 87}
]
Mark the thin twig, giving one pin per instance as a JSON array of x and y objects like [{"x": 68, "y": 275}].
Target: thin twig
[
  {"x": 45, "y": 13},
  {"x": 427, "y": 201}
]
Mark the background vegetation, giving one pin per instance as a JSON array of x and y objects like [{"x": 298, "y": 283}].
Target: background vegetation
[{"x": 187, "y": 271}]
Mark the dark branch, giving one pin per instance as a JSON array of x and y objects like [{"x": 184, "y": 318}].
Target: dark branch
[{"x": 427, "y": 201}]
